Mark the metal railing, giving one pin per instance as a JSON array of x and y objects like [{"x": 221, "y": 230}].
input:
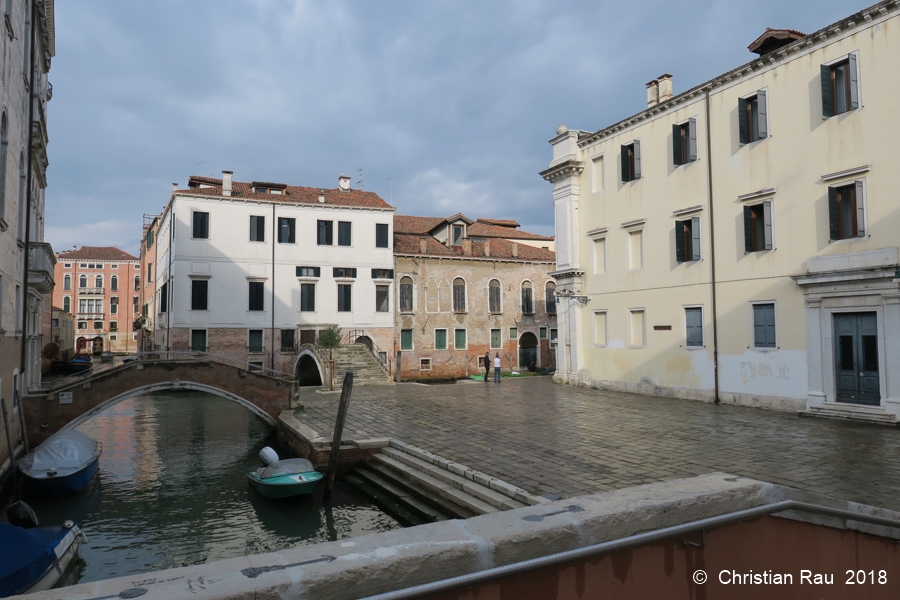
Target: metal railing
[
  {"x": 90, "y": 291},
  {"x": 377, "y": 352}
]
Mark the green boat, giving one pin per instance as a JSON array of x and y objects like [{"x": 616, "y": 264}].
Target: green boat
[{"x": 285, "y": 478}]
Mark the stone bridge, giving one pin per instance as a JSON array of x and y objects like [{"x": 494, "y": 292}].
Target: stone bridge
[{"x": 74, "y": 402}]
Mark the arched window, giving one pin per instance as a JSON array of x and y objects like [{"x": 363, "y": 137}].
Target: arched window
[
  {"x": 67, "y": 304},
  {"x": 406, "y": 295},
  {"x": 550, "y": 297},
  {"x": 114, "y": 283},
  {"x": 527, "y": 298},
  {"x": 82, "y": 281},
  {"x": 4, "y": 145},
  {"x": 67, "y": 282},
  {"x": 459, "y": 295},
  {"x": 98, "y": 281},
  {"x": 494, "y": 296}
]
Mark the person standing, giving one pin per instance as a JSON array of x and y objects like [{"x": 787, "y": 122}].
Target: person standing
[
  {"x": 487, "y": 365},
  {"x": 497, "y": 368}
]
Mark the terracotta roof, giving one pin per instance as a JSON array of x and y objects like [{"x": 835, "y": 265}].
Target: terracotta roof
[
  {"x": 499, "y": 222},
  {"x": 419, "y": 225},
  {"x": 477, "y": 229},
  {"x": 292, "y": 194},
  {"x": 773, "y": 39},
  {"x": 96, "y": 253},
  {"x": 500, "y": 249},
  {"x": 481, "y": 229}
]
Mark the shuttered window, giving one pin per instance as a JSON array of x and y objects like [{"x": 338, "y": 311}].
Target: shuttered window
[
  {"x": 494, "y": 296},
  {"x": 199, "y": 294},
  {"x": 693, "y": 323},
  {"x": 345, "y": 297},
  {"x": 164, "y": 298},
  {"x": 307, "y": 297},
  {"x": 758, "y": 227},
  {"x": 459, "y": 339},
  {"x": 527, "y": 298},
  {"x": 256, "y": 297},
  {"x": 550, "y": 298},
  {"x": 631, "y": 161},
  {"x": 257, "y": 229},
  {"x": 200, "y": 225},
  {"x": 406, "y": 342},
  {"x": 381, "y": 235},
  {"x": 198, "y": 340},
  {"x": 459, "y": 295},
  {"x": 687, "y": 240},
  {"x": 764, "y": 325},
  {"x": 255, "y": 340},
  {"x": 287, "y": 340},
  {"x": 349, "y": 272},
  {"x": 684, "y": 142},
  {"x": 344, "y": 233},
  {"x": 440, "y": 339},
  {"x": 753, "y": 117},
  {"x": 840, "y": 86},
  {"x": 496, "y": 341},
  {"x": 406, "y": 295},
  {"x": 846, "y": 211}
]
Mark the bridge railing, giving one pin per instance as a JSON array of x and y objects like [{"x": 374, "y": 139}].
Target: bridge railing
[{"x": 97, "y": 368}]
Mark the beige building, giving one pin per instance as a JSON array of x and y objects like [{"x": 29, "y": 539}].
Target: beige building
[
  {"x": 739, "y": 241},
  {"x": 62, "y": 332}
]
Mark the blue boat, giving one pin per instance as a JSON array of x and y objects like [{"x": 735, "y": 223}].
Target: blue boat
[
  {"x": 283, "y": 478},
  {"x": 65, "y": 463},
  {"x": 79, "y": 362}
]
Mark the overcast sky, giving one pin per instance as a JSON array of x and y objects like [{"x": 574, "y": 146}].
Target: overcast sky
[{"x": 451, "y": 102}]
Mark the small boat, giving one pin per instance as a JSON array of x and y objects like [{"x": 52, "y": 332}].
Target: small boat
[
  {"x": 283, "y": 478},
  {"x": 32, "y": 558},
  {"x": 66, "y": 462},
  {"x": 79, "y": 362}
]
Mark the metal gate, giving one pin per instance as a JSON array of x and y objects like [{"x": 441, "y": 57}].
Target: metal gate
[{"x": 856, "y": 358}]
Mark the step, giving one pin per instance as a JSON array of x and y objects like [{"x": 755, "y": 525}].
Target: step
[
  {"x": 385, "y": 501},
  {"x": 421, "y": 491},
  {"x": 442, "y": 488},
  {"x": 404, "y": 496},
  {"x": 856, "y": 412},
  {"x": 492, "y": 497}
]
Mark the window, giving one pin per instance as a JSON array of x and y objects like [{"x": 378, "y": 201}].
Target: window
[
  {"x": 198, "y": 340},
  {"x": 137, "y": 283},
  {"x": 440, "y": 339},
  {"x": 345, "y": 272},
  {"x": 406, "y": 342},
  {"x": 149, "y": 271},
  {"x": 764, "y": 325},
  {"x": 381, "y": 298},
  {"x": 406, "y": 295},
  {"x": 496, "y": 340},
  {"x": 424, "y": 364},
  {"x": 344, "y": 230},
  {"x": 307, "y": 297},
  {"x": 597, "y": 174},
  {"x": 200, "y": 229},
  {"x": 635, "y": 250},
  {"x": 54, "y": 322},
  {"x": 494, "y": 296},
  {"x": 550, "y": 297},
  {"x": 840, "y": 86},
  {"x": 82, "y": 305},
  {"x": 684, "y": 142},
  {"x": 257, "y": 229},
  {"x": 287, "y": 228},
  {"x": 4, "y": 147},
  {"x": 256, "y": 295},
  {"x": 846, "y": 211},
  {"x": 309, "y": 271},
  {"x": 325, "y": 233},
  {"x": 114, "y": 283},
  {"x": 753, "y": 117},
  {"x": 98, "y": 281},
  {"x": 693, "y": 327},
  {"x": 67, "y": 283},
  {"x": 113, "y": 325},
  {"x": 164, "y": 298},
  {"x": 513, "y": 333},
  {"x": 113, "y": 266},
  {"x": 459, "y": 295},
  {"x": 344, "y": 297},
  {"x": 758, "y": 227},
  {"x": 82, "y": 281},
  {"x": 134, "y": 303},
  {"x": 636, "y": 337},
  {"x": 67, "y": 265},
  {"x": 256, "y": 365},
  {"x": 687, "y": 240},
  {"x": 98, "y": 325},
  {"x": 600, "y": 256},
  {"x": 600, "y": 338},
  {"x": 67, "y": 303},
  {"x": 542, "y": 333},
  {"x": 82, "y": 324},
  {"x": 255, "y": 340},
  {"x": 457, "y": 235},
  {"x": 113, "y": 337},
  {"x": 527, "y": 298},
  {"x": 199, "y": 294},
  {"x": 459, "y": 339},
  {"x": 287, "y": 340},
  {"x": 381, "y": 235},
  {"x": 631, "y": 161},
  {"x": 382, "y": 273},
  {"x": 114, "y": 305},
  {"x": 553, "y": 333}
]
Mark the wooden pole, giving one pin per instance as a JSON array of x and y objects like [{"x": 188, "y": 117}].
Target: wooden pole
[{"x": 338, "y": 432}]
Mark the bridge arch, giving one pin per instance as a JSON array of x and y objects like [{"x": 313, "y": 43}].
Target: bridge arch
[
  {"x": 171, "y": 385},
  {"x": 303, "y": 368}
]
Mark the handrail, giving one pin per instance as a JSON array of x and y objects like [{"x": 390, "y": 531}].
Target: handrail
[
  {"x": 351, "y": 338},
  {"x": 553, "y": 560}
]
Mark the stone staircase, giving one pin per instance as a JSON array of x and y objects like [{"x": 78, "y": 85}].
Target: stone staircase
[
  {"x": 416, "y": 486},
  {"x": 853, "y": 412},
  {"x": 367, "y": 370}
]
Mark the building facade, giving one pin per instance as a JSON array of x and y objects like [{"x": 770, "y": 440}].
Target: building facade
[
  {"x": 100, "y": 286},
  {"x": 147, "y": 300},
  {"x": 252, "y": 270},
  {"x": 468, "y": 287},
  {"x": 62, "y": 332},
  {"x": 738, "y": 241}
]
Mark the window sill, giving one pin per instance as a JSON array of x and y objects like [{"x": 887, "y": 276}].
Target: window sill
[
  {"x": 693, "y": 348},
  {"x": 764, "y": 350}
]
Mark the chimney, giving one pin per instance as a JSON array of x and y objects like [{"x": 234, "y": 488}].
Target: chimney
[
  {"x": 665, "y": 87},
  {"x": 321, "y": 195},
  {"x": 487, "y": 248},
  {"x": 653, "y": 93},
  {"x": 423, "y": 246},
  {"x": 344, "y": 182},
  {"x": 515, "y": 249},
  {"x": 226, "y": 183},
  {"x": 174, "y": 186},
  {"x": 467, "y": 247}
]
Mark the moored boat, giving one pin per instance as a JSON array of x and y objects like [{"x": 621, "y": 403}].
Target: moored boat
[
  {"x": 66, "y": 462},
  {"x": 283, "y": 478},
  {"x": 79, "y": 362}
]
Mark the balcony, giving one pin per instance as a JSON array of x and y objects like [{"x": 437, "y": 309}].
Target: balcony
[
  {"x": 40, "y": 267},
  {"x": 94, "y": 291},
  {"x": 90, "y": 316}
]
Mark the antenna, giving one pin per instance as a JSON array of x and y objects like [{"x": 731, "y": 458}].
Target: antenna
[
  {"x": 391, "y": 179},
  {"x": 359, "y": 179}
]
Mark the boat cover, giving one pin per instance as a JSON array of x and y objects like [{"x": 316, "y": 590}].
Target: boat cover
[
  {"x": 26, "y": 553},
  {"x": 286, "y": 467},
  {"x": 67, "y": 451}
]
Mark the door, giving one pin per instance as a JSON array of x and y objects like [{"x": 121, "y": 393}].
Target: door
[
  {"x": 528, "y": 346},
  {"x": 856, "y": 358}
]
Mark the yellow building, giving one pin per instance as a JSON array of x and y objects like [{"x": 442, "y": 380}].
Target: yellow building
[{"x": 739, "y": 241}]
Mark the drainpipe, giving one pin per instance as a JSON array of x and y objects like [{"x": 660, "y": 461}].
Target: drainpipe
[
  {"x": 712, "y": 249},
  {"x": 272, "y": 335}
]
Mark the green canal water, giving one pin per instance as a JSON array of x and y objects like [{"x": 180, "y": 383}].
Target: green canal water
[{"x": 172, "y": 491}]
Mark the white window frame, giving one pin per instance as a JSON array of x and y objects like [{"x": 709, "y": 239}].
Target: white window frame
[
  {"x": 859, "y": 91},
  {"x": 594, "y": 241},
  {"x": 491, "y": 340},
  {"x": 752, "y": 345},
  {"x": 422, "y": 361},
  {"x": 262, "y": 346},
  {"x": 605, "y": 342},
  {"x": 836, "y": 183},
  {"x": 412, "y": 340},
  {"x": 628, "y": 233},
  {"x": 414, "y": 300},
  {"x": 208, "y": 225},
  {"x": 631, "y": 343},
  {"x": 684, "y": 309},
  {"x": 595, "y": 161},
  {"x": 446, "y": 341},
  {"x": 497, "y": 279},
  {"x": 466, "y": 329},
  {"x": 765, "y": 91}
]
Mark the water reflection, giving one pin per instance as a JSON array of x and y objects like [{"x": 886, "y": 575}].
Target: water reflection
[{"x": 172, "y": 491}]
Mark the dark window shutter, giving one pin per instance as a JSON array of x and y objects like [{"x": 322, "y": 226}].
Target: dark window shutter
[
  {"x": 833, "y": 231},
  {"x": 743, "y": 121},
  {"x": 762, "y": 108},
  {"x": 854, "y": 83},
  {"x": 748, "y": 229},
  {"x": 827, "y": 92},
  {"x": 695, "y": 238},
  {"x": 626, "y": 171},
  {"x": 637, "y": 159},
  {"x": 680, "y": 245},
  {"x": 860, "y": 210},
  {"x": 692, "y": 139},
  {"x": 767, "y": 218},
  {"x": 677, "y": 157}
]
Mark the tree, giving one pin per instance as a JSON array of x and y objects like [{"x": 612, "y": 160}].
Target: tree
[{"x": 330, "y": 337}]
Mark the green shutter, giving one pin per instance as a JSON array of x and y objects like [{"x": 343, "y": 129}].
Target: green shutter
[
  {"x": 677, "y": 155},
  {"x": 695, "y": 238},
  {"x": 827, "y": 92},
  {"x": 762, "y": 110},
  {"x": 748, "y": 229},
  {"x": 626, "y": 170},
  {"x": 833, "y": 232},
  {"x": 743, "y": 124},
  {"x": 692, "y": 139},
  {"x": 767, "y": 222},
  {"x": 860, "y": 209},
  {"x": 854, "y": 83},
  {"x": 680, "y": 244},
  {"x": 636, "y": 144}
]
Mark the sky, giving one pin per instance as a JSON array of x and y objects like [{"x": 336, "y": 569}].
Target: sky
[{"x": 441, "y": 106}]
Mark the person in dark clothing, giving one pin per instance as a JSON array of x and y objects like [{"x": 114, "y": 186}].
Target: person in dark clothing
[{"x": 487, "y": 365}]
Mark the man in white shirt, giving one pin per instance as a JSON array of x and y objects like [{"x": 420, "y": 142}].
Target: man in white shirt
[{"x": 497, "y": 368}]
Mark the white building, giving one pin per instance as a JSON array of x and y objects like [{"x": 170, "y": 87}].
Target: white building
[{"x": 251, "y": 270}]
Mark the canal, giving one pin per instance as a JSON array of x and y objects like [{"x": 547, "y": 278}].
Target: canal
[{"x": 172, "y": 491}]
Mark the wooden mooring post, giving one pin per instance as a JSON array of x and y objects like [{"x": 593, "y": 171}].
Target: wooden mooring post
[{"x": 338, "y": 432}]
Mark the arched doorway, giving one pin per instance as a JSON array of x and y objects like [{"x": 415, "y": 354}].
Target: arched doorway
[
  {"x": 528, "y": 352},
  {"x": 364, "y": 340},
  {"x": 97, "y": 346},
  {"x": 80, "y": 345},
  {"x": 307, "y": 371}
]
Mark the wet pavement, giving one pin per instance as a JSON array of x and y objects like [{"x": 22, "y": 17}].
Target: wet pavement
[{"x": 563, "y": 440}]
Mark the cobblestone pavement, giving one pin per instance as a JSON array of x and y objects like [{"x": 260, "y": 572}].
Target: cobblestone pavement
[{"x": 558, "y": 439}]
